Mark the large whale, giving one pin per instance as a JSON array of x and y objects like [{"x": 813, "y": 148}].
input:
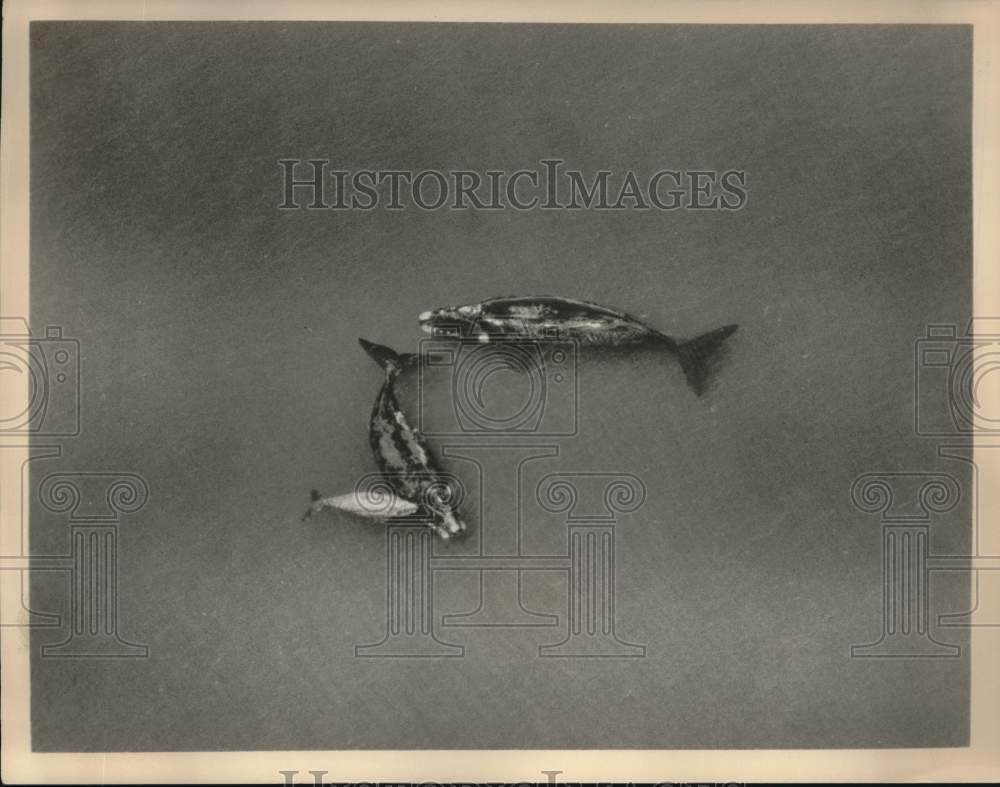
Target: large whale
[
  {"x": 547, "y": 316},
  {"x": 416, "y": 485}
]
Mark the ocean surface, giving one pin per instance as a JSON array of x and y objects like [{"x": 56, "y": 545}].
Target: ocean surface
[{"x": 219, "y": 362}]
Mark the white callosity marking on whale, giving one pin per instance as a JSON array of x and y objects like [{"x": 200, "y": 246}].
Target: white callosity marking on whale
[
  {"x": 585, "y": 324},
  {"x": 386, "y": 444},
  {"x": 411, "y": 439},
  {"x": 532, "y": 312}
]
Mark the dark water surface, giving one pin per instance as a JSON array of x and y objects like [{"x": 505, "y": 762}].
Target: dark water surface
[{"x": 220, "y": 362}]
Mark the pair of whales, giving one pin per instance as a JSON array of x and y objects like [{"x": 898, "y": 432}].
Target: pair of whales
[{"x": 416, "y": 486}]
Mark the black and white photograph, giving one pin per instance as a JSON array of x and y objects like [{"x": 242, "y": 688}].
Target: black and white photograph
[{"x": 413, "y": 385}]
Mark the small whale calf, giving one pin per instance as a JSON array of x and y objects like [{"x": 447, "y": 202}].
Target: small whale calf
[
  {"x": 546, "y": 316},
  {"x": 369, "y": 503},
  {"x": 418, "y": 487}
]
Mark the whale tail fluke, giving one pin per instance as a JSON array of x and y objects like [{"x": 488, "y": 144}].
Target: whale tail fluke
[
  {"x": 698, "y": 356},
  {"x": 391, "y": 361}
]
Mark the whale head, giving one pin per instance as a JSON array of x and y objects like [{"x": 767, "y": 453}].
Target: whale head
[{"x": 448, "y": 524}]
